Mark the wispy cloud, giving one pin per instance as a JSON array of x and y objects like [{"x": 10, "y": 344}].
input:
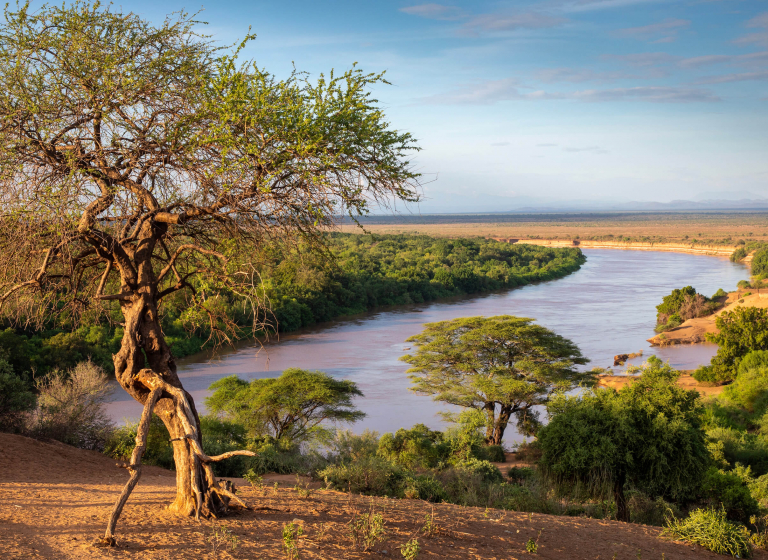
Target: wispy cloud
[
  {"x": 643, "y": 59},
  {"x": 580, "y": 75},
  {"x": 727, "y": 78},
  {"x": 486, "y": 93},
  {"x": 667, "y": 28},
  {"x": 495, "y": 91},
  {"x": 435, "y": 11},
  {"x": 590, "y": 5},
  {"x": 500, "y": 144},
  {"x": 651, "y": 94},
  {"x": 751, "y": 59},
  {"x": 547, "y": 145},
  {"x": 488, "y": 23},
  {"x": 591, "y": 149},
  {"x": 758, "y": 38}
]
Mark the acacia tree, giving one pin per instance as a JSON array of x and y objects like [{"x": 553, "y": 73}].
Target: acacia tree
[
  {"x": 139, "y": 161},
  {"x": 501, "y": 365},
  {"x": 292, "y": 407}
]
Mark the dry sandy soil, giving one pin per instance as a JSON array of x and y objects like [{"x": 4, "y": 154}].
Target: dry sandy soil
[
  {"x": 55, "y": 500},
  {"x": 693, "y": 331},
  {"x": 686, "y": 381}
]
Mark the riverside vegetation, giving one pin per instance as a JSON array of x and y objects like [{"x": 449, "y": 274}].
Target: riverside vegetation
[
  {"x": 360, "y": 273},
  {"x": 603, "y": 454}
]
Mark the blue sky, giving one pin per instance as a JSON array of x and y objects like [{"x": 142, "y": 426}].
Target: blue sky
[{"x": 518, "y": 103}]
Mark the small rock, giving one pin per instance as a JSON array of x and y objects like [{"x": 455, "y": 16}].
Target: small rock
[{"x": 619, "y": 359}]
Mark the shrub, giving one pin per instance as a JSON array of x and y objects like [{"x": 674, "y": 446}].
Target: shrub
[
  {"x": 16, "y": 399},
  {"x": 347, "y": 446},
  {"x": 370, "y": 475},
  {"x": 159, "y": 451},
  {"x": 495, "y": 454},
  {"x": 735, "y": 446},
  {"x": 418, "y": 447},
  {"x": 739, "y": 254},
  {"x": 220, "y": 436},
  {"x": 750, "y": 388},
  {"x": 711, "y": 529},
  {"x": 760, "y": 263},
  {"x": 70, "y": 407},
  {"x": 648, "y": 511},
  {"x": 741, "y": 331},
  {"x": 367, "y": 529},
  {"x": 424, "y": 487},
  {"x": 753, "y": 360},
  {"x": 520, "y": 474},
  {"x": 482, "y": 468},
  {"x": 730, "y": 491},
  {"x": 719, "y": 293}
]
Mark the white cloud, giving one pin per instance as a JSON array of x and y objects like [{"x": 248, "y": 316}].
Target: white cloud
[
  {"x": 495, "y": 91},
  {"x": 578, "y": 75},
  {"x": 477, "y": 24},
  {"x": 759, "y": 38},
  {"x": 751, "y": 59},
  {"x": 435, "y": 11},
  {"x": 727, "y": 78},
  {"x": 651, "y": 94},
  {"x": 643, "y": 59},
  {"x": 668, "y": 28},
  {"x": 490, "y": 23}
]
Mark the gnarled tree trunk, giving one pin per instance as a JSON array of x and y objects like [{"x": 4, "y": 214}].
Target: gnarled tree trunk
[{"x": 145, "y": 368}]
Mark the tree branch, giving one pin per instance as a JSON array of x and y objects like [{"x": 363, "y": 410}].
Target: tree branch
[{"x": 180, "y": 250}]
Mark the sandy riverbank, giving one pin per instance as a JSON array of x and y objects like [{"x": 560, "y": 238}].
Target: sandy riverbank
[
  {"x": 690, "y": 248},
  {"x": 694, "y": 331},
  {"x": 686, "y": 381}
]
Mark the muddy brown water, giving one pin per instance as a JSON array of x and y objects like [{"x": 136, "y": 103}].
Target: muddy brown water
[{"x": 606, "y": 308}]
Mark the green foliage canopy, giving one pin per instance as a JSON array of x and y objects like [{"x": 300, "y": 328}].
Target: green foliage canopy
[
  {"x": 291, "y": 408},
  {"x": 741, "y": 331},
  {"x": 760, "y": 263},
  {"x": 647, "y": 435},
  {"x": 16, "y": 398},
  {"x": 501, "y": 365},
  {"x": 364, "y": 272}
]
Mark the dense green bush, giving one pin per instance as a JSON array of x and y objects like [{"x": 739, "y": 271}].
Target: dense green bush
[
  {"x": 158, "y": 452},
  {"x": 646, "y": 436},
  {"x": 417, "y": 447},
  {"x": 16, "y": 398},
  {"x": 424, "y": 487},
  {"x": 683, "y": 304},
  {"x": 731, "y": 447},
  {"x": 373, "y": 476},
  {"x": 711, "y": 529},
  {"x": 731, "y": 491},
  {"x": 760, "y": 263},
  {"x": 740, "y": 332}
]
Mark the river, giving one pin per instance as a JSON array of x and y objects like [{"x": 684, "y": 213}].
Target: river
[{"x": 606, "y": 308}]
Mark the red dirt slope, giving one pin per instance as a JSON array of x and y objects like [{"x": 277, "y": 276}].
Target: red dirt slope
[{"x": 55, "y": 500}]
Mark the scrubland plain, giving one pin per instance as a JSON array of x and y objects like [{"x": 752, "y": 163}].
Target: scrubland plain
[{"x": 707, "y": 227}]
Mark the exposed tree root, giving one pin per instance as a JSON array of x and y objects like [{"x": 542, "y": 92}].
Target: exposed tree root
[{"x": 211, "y": 500}]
